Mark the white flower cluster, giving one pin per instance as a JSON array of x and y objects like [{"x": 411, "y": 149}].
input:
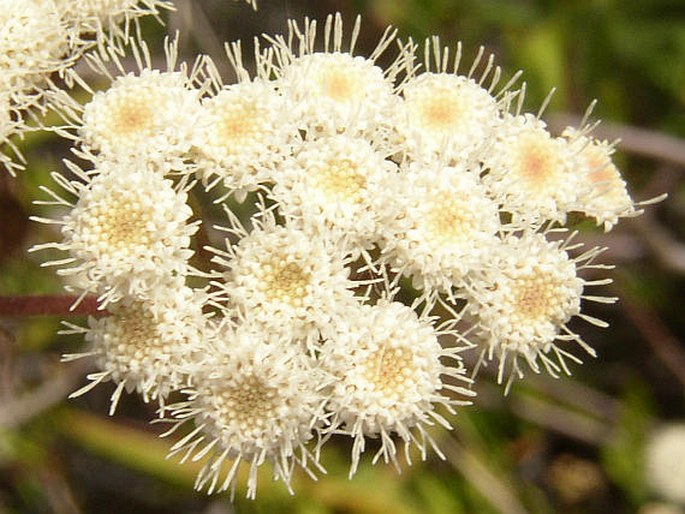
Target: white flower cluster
[
  {"x": 41, "y": 39},
  {"x": 366, "y": 182}
]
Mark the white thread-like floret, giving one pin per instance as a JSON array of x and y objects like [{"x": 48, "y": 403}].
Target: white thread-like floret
[
  {"x": 333, "y": 89},
  {"x": 526, "y": 296},
  {"x": 447, "y": 224},
  {"x": 338, "y": 90},
  {"x": 252, "y": 400},
  {"x": 33, "y": 42},
  {"x": 149, "y": 116},
  {"x": 390, "y": 375},
  {"x": 146, "y": 346},
  {"x": 245, "y": 130},
  {"x": 609, "y": 199},
  {"x": 447, "y": 115},
  {"x": 338, "y": 185},
  {"x": 281, "y": 278},
  {"x": 127, "y": 233},
  {"x": 531, "y": 173}
]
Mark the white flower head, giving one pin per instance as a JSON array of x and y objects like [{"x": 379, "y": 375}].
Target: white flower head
[
  {"x": 446, "y": 226},
  {"x": 389, "y": 375},
  {"x": 665, "y": 462},
  {"x": 150, "y": 115},
  {"x": 608, "y": 199},
  {"x": 251, "y": 401},
  {"x": 146, "y": 346},
  {"x": 338, "y": 185},
  {"x": 245, "y": 130},
  {"x": 127, "y": 233},
  {"x": 532, "y": 173},
  {"x": 447, "y": 115},
  {"x": 33, "y": 43},
  {"x": 282, "y": 279},
  {"x": 335, "y": 89},
  {"x": 529, "y": 291}
]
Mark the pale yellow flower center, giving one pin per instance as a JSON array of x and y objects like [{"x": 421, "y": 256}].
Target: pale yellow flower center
[
  {"x": 339, "y": 179},
  {"x": 447, "y": 221},
  {"x": 119, "y": 223},
  {"x": 239, "y": 124},
  {"x": 537, "y": 297},
  {"x": 247, "y": 404},
  {"x": 285, "y": 282},
  {"x": 134, "y": 116},
  {"x": 537, "y": 161},
  {"x": 338, "y": 85},
  {"x": 389, "y": 369},
  {"x": 438, "y": 110},
  {"x": 138, "y": 326}
]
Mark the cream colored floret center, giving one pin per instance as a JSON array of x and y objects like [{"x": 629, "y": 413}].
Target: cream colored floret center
[
  {"x": 537, "y": 161},
  {"x": 119, "y": 223},
  {"x": 133, "y": 116},
  {"x": 338, "y": 85},
  {"x": 447, "y": 221},
  {"x": 389, "y": 369},
  {"x": 339, "y": 180},
  {"x": 239, "y": 124},
  {"x": 285, "y": 282},
  {"x": 439, "y": 110},
  {"x": 537, "y": 297},
  {"x": 247, "y": 404}
]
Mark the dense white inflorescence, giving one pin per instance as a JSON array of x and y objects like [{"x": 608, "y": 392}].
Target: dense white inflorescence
[
  {"x": 347, "y": 187},
  {"x": 119, "y": 242},
  {"x": 42, "y": 39},
  {"x": 142, "y": 346},
  {"x": 142, "y": 116},
  {"x": 253, "y": 399},
  {"x": 390, "y": 373}
]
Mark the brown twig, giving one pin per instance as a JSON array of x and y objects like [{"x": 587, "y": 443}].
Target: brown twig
[
  {"x": 17, "y": 411},
  {"x": 665, "y": 345},
  {"x": 485, "y": 481},
  {"x": 47, "y": 305},
  {"x": 666, "y": 248}
]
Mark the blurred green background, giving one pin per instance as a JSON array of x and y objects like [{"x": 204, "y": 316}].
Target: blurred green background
[{"x": 575, "y": 445}]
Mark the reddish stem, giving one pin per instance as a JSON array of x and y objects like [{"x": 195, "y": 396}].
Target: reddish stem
[{"x": 46, "y": 305}]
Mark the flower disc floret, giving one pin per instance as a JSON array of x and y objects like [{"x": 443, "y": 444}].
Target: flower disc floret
[
  {"x": 33, "y": 42},
  {"x": 335, "y": 90},
  {"x": 446, "y": 114},
  {"x": 389, "y": 376},
  {"x": 280, "y": 277},
  {"x": 128, "y": 232},
  {"x": 608, "y": 199},
  {"x": 245, "y": 130},
  {"x": 147, "y": 345},
  {"x": 337, "y": 185},
  {"x": 251, "y": 402},
  {"x": 149, "y": 116},
  {"x": 531, "y": 173},
  {"x": 446, "y": 225},
  {"x": 529, "y": 291}
]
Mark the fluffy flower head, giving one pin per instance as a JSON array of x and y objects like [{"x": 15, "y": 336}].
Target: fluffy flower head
[
  {"x": 147, "y": 116},
  {"x": 251, "y": 402},
  {"x": 389, "y": 375}
]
